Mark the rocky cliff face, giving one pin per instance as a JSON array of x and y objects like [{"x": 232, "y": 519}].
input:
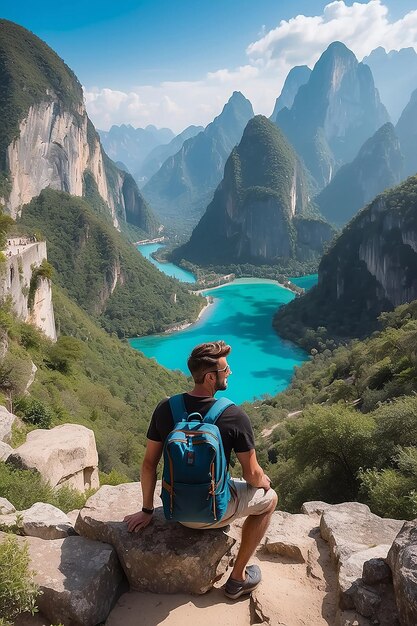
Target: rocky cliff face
[
  {"x": 47, "y": 139},
  {"x": 260, "y": 211},
  {"x": 406, "y": 130},
  {"x": 377, "y": 166},
  {"x": 185, "y": 183},
  {"x": 333, "y": 113},
  {"x": 298, "y": 76}
]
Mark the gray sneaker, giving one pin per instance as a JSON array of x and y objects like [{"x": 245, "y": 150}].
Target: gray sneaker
[{"x": 235, "y": 588}]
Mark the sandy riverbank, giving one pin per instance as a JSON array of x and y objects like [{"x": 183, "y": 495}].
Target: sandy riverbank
[
  {"x": 178, "y": 327},
  {"x": 242, "y": 281}
]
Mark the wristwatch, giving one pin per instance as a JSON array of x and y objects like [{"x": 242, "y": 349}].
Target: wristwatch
[{"x": 148, "y": 511}]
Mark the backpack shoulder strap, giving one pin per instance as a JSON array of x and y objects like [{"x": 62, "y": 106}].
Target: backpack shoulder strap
[
  {"x": 216, "y": 410},
  {"x": 177, "y": 406}
]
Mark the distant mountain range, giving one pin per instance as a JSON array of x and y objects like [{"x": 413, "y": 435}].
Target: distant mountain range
[
  {"x": 131, "y": 145},
  {"x": 378, "y": 165},
  {"x": 154, "y": 160},
  {"x": 183, "y": 186},
  {"x": 406, "y": 130},
  {"x": 260, "y": 212},
  {"x": 333, "y": 113},
  {"x": 395, "y": 76}
]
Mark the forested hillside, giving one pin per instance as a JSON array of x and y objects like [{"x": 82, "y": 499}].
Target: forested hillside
[
  {"x": 103, "y": 273},
  {"x": 346, "y": 428}
]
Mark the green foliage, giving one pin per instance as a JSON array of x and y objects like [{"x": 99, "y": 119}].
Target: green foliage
[
  {"x": 18, "y": 592},
  {"x": 352, "y": 433},
  {"x": 44, "y": 271},
  {"x": 63, "y": 353},
  {"x": 33, "y": 412},
  {"x": 25, "y": 487},
  {"x": 88, "y": 257},
  {"x": 113, "y": 478}
]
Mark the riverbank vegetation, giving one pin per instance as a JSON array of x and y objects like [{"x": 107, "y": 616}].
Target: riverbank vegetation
[{"x": 346, "y": 428}]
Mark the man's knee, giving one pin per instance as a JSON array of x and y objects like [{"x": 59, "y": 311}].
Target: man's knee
[{"x": 274, "y": 500}]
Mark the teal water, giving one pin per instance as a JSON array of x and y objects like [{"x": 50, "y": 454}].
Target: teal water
[
  {"x": 306, "y": 282},
  {"x": 167, "y": 268},
  {"x": 242, "y": 312}
]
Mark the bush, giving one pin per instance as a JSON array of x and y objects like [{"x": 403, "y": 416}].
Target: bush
[
  {"x": 65, "y": 351},
  {"x": 18, "y": 592},
  {"x": 25, "y": 487},
  {"x": 389, "y": 493},
  {"x": 34, "y": 412}
]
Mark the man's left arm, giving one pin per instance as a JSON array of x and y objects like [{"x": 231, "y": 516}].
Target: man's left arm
[{"x": 153, "y": 453}]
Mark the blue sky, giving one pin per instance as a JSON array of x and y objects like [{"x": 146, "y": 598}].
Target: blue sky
[{"x": 175, "y": 62}]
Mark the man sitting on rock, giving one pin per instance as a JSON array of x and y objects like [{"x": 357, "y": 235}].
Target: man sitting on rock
[{"x": 251, "y": 497}]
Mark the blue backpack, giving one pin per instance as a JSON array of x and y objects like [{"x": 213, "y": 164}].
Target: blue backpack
[{"x": 195, "y": 480}]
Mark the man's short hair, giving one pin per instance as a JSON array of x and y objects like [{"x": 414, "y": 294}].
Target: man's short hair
[{"x": 204, "y": 358}]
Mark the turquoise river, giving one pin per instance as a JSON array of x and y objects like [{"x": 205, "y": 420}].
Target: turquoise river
[{"x": 241, "y": 314}]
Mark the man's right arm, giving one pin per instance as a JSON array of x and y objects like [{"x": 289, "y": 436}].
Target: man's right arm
[
  {"x": 138, "y": 521},
  {"x": 252, "y": 471}
]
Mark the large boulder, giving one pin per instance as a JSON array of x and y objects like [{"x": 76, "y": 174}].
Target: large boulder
[
  {"x": 79, "y": 579},
  {"x": 40, "y": 520},
  {"x": 6, "y": 422},
  {"x": 356, "y": 535},
  {"x": 290, "y": 536},
  {"x": 402, "y": 559},
  {"x": 5, "y": 451},
  {"x": 6, "y": 507},
  {"x": 165, "y": 557},
  {"x": 64, "y": 455}
]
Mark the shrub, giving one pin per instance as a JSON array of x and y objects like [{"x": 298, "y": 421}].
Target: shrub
[
  {"x": 34, "y": 412},
  {"x": 389, "y": 493},
  {"x": 18, "y": 592}
]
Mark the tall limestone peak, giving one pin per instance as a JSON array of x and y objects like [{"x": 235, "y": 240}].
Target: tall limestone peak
[
  {"x": 46, "y": 138},
  {"x": 297, "y": 76},
  {"x": 377, "y": 166},
  {"x": 406, "y": 130},
  {"x": 334, "y": 113},
  {"x": 184, "y": 184},
  {"x": 260, "y": 210}
]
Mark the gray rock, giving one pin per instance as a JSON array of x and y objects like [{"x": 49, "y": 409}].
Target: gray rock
[
  {"x": 402, "y": 559},
  {"x": 6, "y": 422},
  {"x": 40, "y": 520},
  {"x": 6, "y": 507},
  {"x": 366, "y": 601},
  {"x": 355, "y": 535},
  {"x": 165, "y": 557},
  {"x": 5, "y": 451},
  {"x": 288, "y": 536},
  {"x": 315, "y": 507},
  {"x": 376, "y": 571},
  {"x": 79, "y": 579},
  {"x": 64, "y": 455}
]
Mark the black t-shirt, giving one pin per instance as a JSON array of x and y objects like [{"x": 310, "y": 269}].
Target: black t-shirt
[{"x": 234, "y": 424}]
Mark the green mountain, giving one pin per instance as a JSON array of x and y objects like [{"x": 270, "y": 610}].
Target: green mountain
[
  {"x": 333, "y": 113},
  {"x": 185, "y": 183},
  {"x": 260, "y": 211},
  {"x": 406, "y": 130},
  {"x": 299, "y": 75},
  {"x": 370, "y": 268},
  {"x": 102, "y": 272},
  {"x": 377, "y": 166},
  {"x": 46, "y": 138}
]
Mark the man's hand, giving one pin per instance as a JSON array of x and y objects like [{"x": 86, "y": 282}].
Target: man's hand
[{"x": 138, "y": 521}]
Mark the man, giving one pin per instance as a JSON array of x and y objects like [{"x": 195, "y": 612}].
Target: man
[{"x": 252, "y": 497}]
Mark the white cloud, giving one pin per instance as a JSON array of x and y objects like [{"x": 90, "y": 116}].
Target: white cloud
[{"x": 298, "y": 41}]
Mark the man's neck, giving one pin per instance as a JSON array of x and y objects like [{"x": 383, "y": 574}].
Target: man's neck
[{"x": 201, "y": 391}]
